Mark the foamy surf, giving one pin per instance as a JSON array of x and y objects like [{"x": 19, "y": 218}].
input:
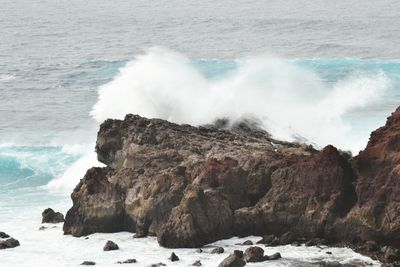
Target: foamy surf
[{"x": 289, "y": 99}]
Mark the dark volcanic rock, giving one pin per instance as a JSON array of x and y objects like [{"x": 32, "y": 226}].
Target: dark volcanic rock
[
  {"x": 4, "y": 235},
  {"x": 253, "y": 254},
  {"x": 110, "y": 245},
  {"x": 232, "y": 261},
  {"x": 50, "y": 216},
  {"x": 127, "y": 261},
  {"x": 88, "y": 263},
  {"x": 174, "y": 257},
  {"x": 191, "y": 186},
  {"x": 9, "y": 243},
  {"x": 217, "y": 250}
]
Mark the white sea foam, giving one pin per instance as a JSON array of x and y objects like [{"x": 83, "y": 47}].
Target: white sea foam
[{"x": 291, "y": 100}]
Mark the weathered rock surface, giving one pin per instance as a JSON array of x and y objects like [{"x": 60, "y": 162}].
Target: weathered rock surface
[
  {"x": 232, "y": 261},
  {"x": 110, "y": 245},
  {"x": 50, "y": 216},
  {"x": 191, "y": 186},
  {"x": 9, "y": 243}
]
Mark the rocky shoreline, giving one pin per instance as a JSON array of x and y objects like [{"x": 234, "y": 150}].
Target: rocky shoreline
[{"x": 191, "y": 186}]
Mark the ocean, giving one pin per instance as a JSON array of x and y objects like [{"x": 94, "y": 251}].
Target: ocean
[{"x": 312, "y": 71}]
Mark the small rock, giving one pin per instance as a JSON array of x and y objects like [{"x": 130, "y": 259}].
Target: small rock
[
  {"x": 86, "y": 238},
  {"x": 88, "y": 263},
  {"x": 110, "y": 245},
  {"x": 274, "y": 256},
  {"x": 127, "y": 261},
  {"x": 196, "y": 263},
  {"x": 158, "y": 264},
  {"x": 174, "y": 257},
  {"x": 199, "y": 250},
  {"x": 232, "y": 261},
  {"x": 238, "y": 253},
  {"x": 266, "y": 239},
  {"x": 253, "y": 254},
  {"x": 247, "y": 243},
  {"x": 4, "y": 235},
  {"x": 50, "y": 216},
  {"x": 328, "y": 252},
  {"x": 217, "y": 250},
  {"x": 296, "y": 244},
  {"x": 42, "y": 228},
  {"x": 9, "y": 243}
]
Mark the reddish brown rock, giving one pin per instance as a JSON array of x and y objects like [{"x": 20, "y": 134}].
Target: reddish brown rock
[{"x": 191, "y": 186}]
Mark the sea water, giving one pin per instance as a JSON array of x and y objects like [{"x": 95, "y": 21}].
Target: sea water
[{"x": 322, "y": 73}]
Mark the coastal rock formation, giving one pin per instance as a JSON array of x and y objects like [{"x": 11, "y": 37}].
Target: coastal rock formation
[
  {"x": 190, "y": 186},
  {"x": 50, "y": 216}
]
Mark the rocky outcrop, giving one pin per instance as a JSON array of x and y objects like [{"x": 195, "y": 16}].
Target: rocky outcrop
[
  {"x": 50, "y": 216},
  {"x": 190, "y": 186}
]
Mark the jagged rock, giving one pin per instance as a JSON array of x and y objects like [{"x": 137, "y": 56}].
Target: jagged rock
[
  {"x": 110, "y": 245},
  {"x": 190, "y": 186},
  {"x": 173, "y": 257},
  {"x": 196, "y": 263},
  {"x": 4, "y": 235},
  {"x": 88, "y": 263},
  {"x": 50, "y": 216},
  {"x": 232, "y": 261},
  {"x": 127, "y": 261},
  {"x": 9, "y": 243},
  {"x": 217, "y": 250},
  {"x": 253, "y": 254}
]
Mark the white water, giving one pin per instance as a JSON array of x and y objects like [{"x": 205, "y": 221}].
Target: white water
[{"x": 291, "y": 101}]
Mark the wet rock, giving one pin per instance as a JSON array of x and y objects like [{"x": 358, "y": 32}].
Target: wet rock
[
  {"x": 196, "y": 263},
  {"x": 9, "y": 243},
  {"x": 232, "y": 261},
  {"x": 247, "y": 243},
  {"x": 158, "y": 264},
  {"x": 274, "y": 256},
  {"x": 238, "y": 253},
  {"x": 4, "y": 235},
  {"x": 127, "y": 261},
  {"x": 173, "y": 257},
  {"x": 42, "y": 228},
  {"x": 191, "y": 186},
  {"x": 88, "y": 263},
  {"x": 110, "y": 245},
  {"x": 217, "y": 250},
  {"x": 253, "y": 254},
  {"x": 267, "y": 239},
  {"x": 50, "y": 216}
]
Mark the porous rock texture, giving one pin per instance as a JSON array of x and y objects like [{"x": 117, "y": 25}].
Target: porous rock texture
[{"x": 190, "y": 186}]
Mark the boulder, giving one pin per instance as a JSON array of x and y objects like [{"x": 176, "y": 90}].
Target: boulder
[
  {"x": 253, "y": 254},
  {"x": 232, "y": 261},
  {"x": 9, "y": 243},
  {"x": 110, "y": 245},
  {"x": 50, "y": 216},
  {"x": 274, "y": 256},
  {"x": 173, "y": 257},
  {"x": 217, "y": 250}
]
